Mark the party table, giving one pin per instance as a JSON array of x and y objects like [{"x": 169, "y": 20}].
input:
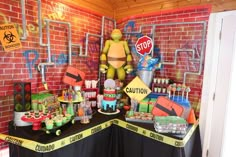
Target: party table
[{"x": 105, "y": 136}]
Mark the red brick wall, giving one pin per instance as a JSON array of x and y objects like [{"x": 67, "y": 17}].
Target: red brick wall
[
  {"x": 13, "y": 65},
  {"x": 168, "y": 38}
]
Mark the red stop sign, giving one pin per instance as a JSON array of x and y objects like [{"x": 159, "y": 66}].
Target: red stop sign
[{"x": 144, "y": 45}]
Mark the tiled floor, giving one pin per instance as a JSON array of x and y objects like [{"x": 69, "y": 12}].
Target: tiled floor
[{"x": 4, "y": 152}]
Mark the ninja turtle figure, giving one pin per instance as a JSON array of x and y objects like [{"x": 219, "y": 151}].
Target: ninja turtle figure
[{"x": 116, "y": 57}]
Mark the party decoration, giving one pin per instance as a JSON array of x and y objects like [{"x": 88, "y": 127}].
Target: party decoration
[
  {"x": 166, "y": 107},
  {"x": 9, "y": 37},
  {"x": 148, "y": 63},
  {"x": 146, "y": 67},
  {"x": 137, "y": 89},
  {"x": 116, "y": 57},
  {"x": 144, "y": 45},
  {"x": 73, "y": 76}
]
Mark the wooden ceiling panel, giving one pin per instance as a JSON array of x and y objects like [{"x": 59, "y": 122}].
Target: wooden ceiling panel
[
  {"x": 102, "y": 7},
  {"x": 119, "y": 9}
]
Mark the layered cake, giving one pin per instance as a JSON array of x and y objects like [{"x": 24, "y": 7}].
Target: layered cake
[{"x": 109, "y": 97}]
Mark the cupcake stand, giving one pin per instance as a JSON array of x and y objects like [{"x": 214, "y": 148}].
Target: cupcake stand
[{"x": 35, "y": 120}]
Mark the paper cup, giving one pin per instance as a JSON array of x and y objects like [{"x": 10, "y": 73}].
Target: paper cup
[{"x": 88, "y": 83}]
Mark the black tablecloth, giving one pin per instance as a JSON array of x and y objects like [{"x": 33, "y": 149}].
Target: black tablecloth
[{"x": 113, "y": 141}]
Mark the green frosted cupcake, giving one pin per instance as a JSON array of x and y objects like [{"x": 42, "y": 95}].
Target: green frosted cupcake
[
  {"x": 49, "y": 124},
  {"x": 59, "y": 122}
]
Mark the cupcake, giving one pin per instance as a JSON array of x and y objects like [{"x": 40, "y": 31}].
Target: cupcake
[
  {"x": 64, "y": 120},
  {"x": 68, "y": 116},
  {"x": 37, "y": 116},
  {"x": 49, "y": 124},
  {"x": 58, "y": 122},
  {"x": 26, "y": 114}
]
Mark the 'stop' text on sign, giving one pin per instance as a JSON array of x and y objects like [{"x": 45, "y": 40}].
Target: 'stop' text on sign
[{"x": 144, "y": 45}]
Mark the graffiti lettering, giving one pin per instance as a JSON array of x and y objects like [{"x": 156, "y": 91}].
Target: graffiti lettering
[
  {"x": 91, "y": 64},
  {"x": 31, "y": 63},
  {"x": 93, "y": 48},
  {"x": 57, "y": 14},
  {"x": 58, "y": 9},
  {"x": 4, "y": 18}
]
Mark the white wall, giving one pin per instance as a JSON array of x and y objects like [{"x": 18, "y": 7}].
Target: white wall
[
  {"x": 229, "y": 136},
  {"x": 220, "y": 54},
  {"x": 209, "y": 80}
]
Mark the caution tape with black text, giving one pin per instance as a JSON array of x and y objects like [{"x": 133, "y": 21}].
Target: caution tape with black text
[{"x": 44, "y": 148}]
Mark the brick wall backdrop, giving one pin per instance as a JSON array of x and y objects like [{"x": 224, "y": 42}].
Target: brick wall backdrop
[
  {"x": 168, "y": 38},
  {"x": 21, "y": 65},
  {"x": 18, "y": 65}
]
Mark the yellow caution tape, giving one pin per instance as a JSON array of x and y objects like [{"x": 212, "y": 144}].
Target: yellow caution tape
[
  {"x": 154, "y": 135},
  {"x": 44, "y": 148}
]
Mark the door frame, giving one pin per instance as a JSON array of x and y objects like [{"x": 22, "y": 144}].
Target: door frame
[{"x": 211, "y": 111}]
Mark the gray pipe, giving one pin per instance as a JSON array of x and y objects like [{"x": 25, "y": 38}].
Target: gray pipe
[
  {"x": 69, "y": 43},
  {"x": 49, "y": 62},
  {"x": 80, "y": 49},
  {"x": 86, "y": 42},
  {"x": 85, "y": 54},
  {"x": 40, "y": 24},
  {"x": 48, "y": 41},
  {"x": 201, "y": 54},
  {"x": 24, "y": 36},
  {"x": 102, "y": 40},
  {"x": 181, "y": 50},
  {"x": 153, "y": 39},
  {"x": 102, "y": 33},
  {"x": 48, "y": 21}
]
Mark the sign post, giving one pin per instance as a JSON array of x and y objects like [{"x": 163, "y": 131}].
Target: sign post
[
  {"x": 137, "y": 89},
  {"x": 73, "y": 76},
  {"x": 144, "y": 45}
]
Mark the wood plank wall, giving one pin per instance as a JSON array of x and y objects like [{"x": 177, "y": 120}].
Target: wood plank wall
[
  {"x": 134, "y": 7},
  {"x": 102, "y": 7},
  {"x": 119, "y": 9}
]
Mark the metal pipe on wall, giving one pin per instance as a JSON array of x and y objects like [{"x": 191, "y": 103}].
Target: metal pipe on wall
[
  {"x": 178, "y": 51},
  {"x": 87, "y": 39},
  {"x": 48, "y": 21},
  {"x": 103, "y": 26},
  {"x": 201, "y": 54},
  {"x": 48, "y": 41},
  {"x": 80, "y": 49},
  {"x": 24, "y": 36},
  {"x": 200, "y": 59},
  {"x": 41, "y": 66},
  {"x": 101, "y": 43},
  {"x": 40, "y": 24}
]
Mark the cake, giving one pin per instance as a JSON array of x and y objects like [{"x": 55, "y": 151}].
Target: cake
[{"x": 109, "y": 97}]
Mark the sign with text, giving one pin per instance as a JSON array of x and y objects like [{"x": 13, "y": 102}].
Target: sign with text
[
  {"x": 74, "y": 76},
  {"x": 144, "y": 45},
  {"x": 137, "y": 89},
  {"x": 9, "y": 37}
]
